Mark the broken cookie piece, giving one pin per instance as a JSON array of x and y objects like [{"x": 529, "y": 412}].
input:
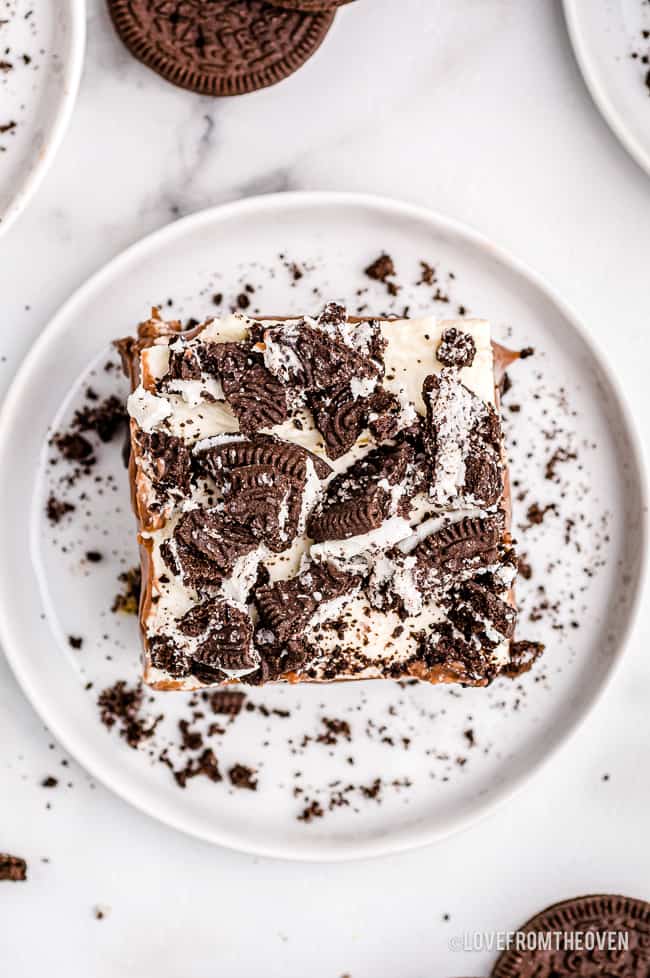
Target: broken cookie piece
[
  {"x": 12, "y": 868},
  {"x": 320, "y": 498}
]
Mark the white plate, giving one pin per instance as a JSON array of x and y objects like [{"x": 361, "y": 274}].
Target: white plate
[
  {"x": 605, "y": 34},
  {"x": 44, "y": 44},
  {"x": 47, "y": 594}
]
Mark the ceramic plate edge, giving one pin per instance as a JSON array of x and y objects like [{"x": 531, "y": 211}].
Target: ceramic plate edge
[
  {"x": 73, "y": 71},
  {"x": 613, "y": 119},
  {"x": 322, "y": 851}
]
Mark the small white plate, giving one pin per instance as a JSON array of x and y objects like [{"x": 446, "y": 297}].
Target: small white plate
[
  {"x": 567, "y": 400},
  {"x": 41, "y": 48},
  {"x": 606, "y": 34}
]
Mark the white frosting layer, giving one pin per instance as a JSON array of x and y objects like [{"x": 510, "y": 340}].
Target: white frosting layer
[
  {"x": 346, "y": 553},
  {"x": 411, "y": 356},
  {"x": 147, "y": 410}
]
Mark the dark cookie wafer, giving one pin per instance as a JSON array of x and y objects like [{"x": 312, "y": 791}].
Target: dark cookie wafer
[
  {"x": 340, "y": 418},
  {"x": 458, "y": 544},
  {"x": 286, "y": 606},
  {"x": 350, "y": 519},
  {"x": 289, "y": 459},
  {"x": 310, "y": 6},
  {"x": 256, "y": 398},
  {"x": 224, "y": 634},
  {"x": 207, "y": 546},
  {"x": 588, "y": 916},
  {"x": 220, "y": 47}
]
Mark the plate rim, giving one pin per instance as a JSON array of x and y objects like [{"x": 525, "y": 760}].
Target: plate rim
[
  {"x": 73, "y": 70},
  {"x": 354, "y": 848},
  {"x": 598, "y": 92}
]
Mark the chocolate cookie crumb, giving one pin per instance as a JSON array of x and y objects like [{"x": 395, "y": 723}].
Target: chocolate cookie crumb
[
  {"x": 119, "y": 704},
  {"x": 56, "y": 509},
  {"x": 105, "y": 420},
  {"x": 536, "y": 513},
  {"x": 371, "y": 791},
  {"x": 49, "y": 782},
  {"x": 227, "y": 702},
  {"x": 75, "y": 448},
  {"x": 528, "y": 351},
  {"x": 12, "y": 868},
  {"x": 427, "y": 274},
  {"x": 524, "y": 569},
  {"x": 128, "y": 600},
  {"x": 191, "y": 739},
  {"x": 206, "y": 765},
  {"x": 243, "y": 777},
  {"x": 523, "y": 656},
  {"x": 333, "y": 730},
  {"x": 559, "y": 455},
  {"x": 313, "y": 810},
  {"x": 75, "y": 641},
  {"x": 380, "y": 270}
]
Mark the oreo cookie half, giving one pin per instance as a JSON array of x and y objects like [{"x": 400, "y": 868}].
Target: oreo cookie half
[
  {"x": 220, "y": 47},
  {"x": 595, "y": 936}
]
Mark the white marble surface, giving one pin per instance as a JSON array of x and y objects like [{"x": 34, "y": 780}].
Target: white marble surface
[{"x": 476, "y": 109}]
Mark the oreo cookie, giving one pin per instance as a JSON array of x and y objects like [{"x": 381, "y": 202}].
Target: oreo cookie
[
  {"x": 351, "y": 518},
  {"x": 310, "y": 6},
  {"x": 223, "y": 47},
  {"x": 256, "y": 397},
  {"x": 605, "y": 936},
  {"x": 217, "y": 460},
  {"x": 340, "y": 418},
  {"x": 206, "y": 547},
  {"x": 285, "y": 607},
  {"x": 223, "y": 633}
]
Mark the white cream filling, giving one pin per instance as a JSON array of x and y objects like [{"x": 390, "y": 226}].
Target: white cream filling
[
  {"x": 147, "y": 410},
  {"x": 155, "y": 361},
  {"x": 280, "y": 359},
  {"x": 237, "y": 587},
  {"x": 173, "y": 598},
  {"x": 193, "y": 391},
  {"x": 346, "y": 553},
  {"x": 411, "y": 356}
]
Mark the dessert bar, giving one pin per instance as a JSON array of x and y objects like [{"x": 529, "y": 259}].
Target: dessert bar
[{"x": 320, "y": 498}]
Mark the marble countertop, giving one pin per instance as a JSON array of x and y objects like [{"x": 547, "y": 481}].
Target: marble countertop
[{"x": 477, "y": 110}]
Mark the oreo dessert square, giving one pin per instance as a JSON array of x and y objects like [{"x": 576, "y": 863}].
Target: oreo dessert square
[{"x": 320, "y": 499}]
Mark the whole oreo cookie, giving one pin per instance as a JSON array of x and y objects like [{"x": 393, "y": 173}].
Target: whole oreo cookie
[
  {"x": 220, "y": 47},
  {"x": 579, "y": 934}
]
